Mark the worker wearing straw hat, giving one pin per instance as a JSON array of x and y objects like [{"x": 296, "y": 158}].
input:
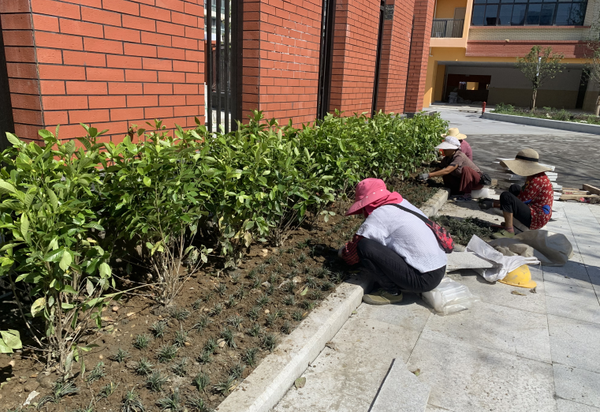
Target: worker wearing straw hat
[
  {"x": 464, "y": 146},
  {"x": 532, "y": 204}
]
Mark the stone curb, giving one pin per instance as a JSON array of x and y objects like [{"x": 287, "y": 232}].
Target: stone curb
[
  {"x": 551, "y": 124},
  {"x": 433, "y": 205},
  {"x": 269, "y": 382}
]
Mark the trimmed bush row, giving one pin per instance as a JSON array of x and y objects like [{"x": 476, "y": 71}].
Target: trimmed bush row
[{"x": 168, "y": 201}]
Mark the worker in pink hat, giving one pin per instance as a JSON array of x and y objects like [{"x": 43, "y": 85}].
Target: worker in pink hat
[{"x": 397, "y": 249}]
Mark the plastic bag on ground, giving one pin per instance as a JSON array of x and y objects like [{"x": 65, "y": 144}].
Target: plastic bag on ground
[
  {"x": 449, "y": 297},
  {"x": 551, "y": 249},
  {"x": 502, "y": 264}
]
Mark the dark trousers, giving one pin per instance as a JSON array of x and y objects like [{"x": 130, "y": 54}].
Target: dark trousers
[
  {"x": 391, "y": 272},
  {"x": 509, "y": 202}
]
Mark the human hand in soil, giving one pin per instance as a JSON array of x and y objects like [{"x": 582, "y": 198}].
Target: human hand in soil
[{"x": 424, "y": 176}]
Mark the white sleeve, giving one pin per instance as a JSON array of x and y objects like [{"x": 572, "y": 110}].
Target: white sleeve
[{"x": 373, "y": 229}]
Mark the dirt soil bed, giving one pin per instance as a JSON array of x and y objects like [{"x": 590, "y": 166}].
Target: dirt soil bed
[{"x": 193, "y": 354}]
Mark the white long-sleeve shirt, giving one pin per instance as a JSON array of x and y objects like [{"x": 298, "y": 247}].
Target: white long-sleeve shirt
[{"x": 405, "y": 234}]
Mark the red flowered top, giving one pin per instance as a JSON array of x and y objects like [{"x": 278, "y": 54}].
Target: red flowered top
[{"x": 537, "y": 193}]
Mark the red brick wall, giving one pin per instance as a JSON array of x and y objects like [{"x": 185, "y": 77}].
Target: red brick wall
[
  {"x": 281, "y": 58},
  {"x": 20, "y": 62},
  {"x": 493, "y": 48},
  {"x": 354, "y": 55},
  {"x": 395, "y": 49},
  {"x": 111, "y": 63},
  {"x": 417, "y": 69}
]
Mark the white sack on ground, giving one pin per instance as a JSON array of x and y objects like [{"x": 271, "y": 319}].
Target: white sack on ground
[
  {"x": 551, "y": 249},
  {"x": 502, "y": 264}
]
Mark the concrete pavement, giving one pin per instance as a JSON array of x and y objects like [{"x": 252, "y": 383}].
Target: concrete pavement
[{"x": 514, "y": 350}]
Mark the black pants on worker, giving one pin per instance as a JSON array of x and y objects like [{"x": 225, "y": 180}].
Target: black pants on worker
[
  {"x": 391, "y": 272},
  {"x": 509, "y": 202}
]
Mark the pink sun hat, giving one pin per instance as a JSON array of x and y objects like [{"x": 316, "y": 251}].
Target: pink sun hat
[{"x": 372, "y": 191}]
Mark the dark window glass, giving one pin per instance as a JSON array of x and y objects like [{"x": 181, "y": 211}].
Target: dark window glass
[
  {"x": 518, "y": 14},
  {"x": 562, "y": 14},
  {"x": 491, "y": 15},
  {"x": 505, "y": 14},
  {"x": 478, "y": 13},
  {"x": 533, "y": 14},
  {"x": 479, "y": 2},
  {"x": 547, "y": 15},
  {"x": 507, "y": 1},
  {"x": 577, "y": 14}
]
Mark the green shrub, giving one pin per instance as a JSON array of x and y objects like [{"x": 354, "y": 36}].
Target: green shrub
[{"x": 50, "y": 227}]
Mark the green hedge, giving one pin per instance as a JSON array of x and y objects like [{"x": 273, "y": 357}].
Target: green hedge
[{"x": 176, "y": 198}]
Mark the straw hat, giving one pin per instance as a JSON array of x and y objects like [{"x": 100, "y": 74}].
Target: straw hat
[
  {"x": 453, "y": 131},
  {"x": 526, "y": 163},
  {"x": 449, "y": 143}
]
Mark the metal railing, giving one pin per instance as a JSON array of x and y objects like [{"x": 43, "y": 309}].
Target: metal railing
[{"x": 447, "y": 27}]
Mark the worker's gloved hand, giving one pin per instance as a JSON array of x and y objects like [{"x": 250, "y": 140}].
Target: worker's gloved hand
[
  {"x": 486, "y": 203},
  {"x": 424, "y": 176}
]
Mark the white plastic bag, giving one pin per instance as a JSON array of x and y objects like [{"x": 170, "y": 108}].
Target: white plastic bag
[
  {"x": 502, "y": 264},
  {"x": 450, "y": 297}
]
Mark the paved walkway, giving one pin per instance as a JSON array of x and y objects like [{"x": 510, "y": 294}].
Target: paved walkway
[{"x": 511, "y": 352}]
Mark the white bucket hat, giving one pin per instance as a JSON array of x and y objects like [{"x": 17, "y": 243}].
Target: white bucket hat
[
  {"x": 449, "y": 143},
  {"x": 526, "y": 163}
]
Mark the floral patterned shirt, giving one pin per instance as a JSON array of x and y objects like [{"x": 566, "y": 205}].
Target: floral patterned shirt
[{"x": 537, "y": 193}]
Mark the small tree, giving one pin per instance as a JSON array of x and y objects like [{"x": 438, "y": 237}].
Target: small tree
[
  {"x": 593, "y": 63},
  {"x": 537, "y": 66}
]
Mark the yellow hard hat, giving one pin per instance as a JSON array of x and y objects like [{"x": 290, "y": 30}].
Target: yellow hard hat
[{"x": 520, "y": 277}]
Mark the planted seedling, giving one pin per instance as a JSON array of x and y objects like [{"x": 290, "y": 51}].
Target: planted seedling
[
  {"x": 210, "y": 346},
  {"x": 235, "y": 321},
  {"x": 202, "y": 323},
  {"x": 263, "y": 300},
  {"x": 121, "y": 355},
  {"x": 286, "y": 327},
  {"x": 302, "y": 257},
  {"x": 170, "y": 403},
  {"x": 297, "y": 315},
  {"x": 166, "y": 353},
  {"x": 231, "y": 302},
  {"x": 268, "y": 341},
  {"x": 181, "y": 337},
  {"x": 181, "y": 368},
  {"x": 221, "y": 288},
  {"x": 271, "y": 318},
  {"x": 316, "y": 295},
  {"x": 308, "y": 305},
  {"x": 235, "y": 278},
  {"x": 289, "y": 286},
  {"x": 261, "y": 269},
  {"x": 201, "y": 381},
  {"x": 156, "y": 381},
  {"x": 289, "y": 300},
  {"x": 197, "y": 303},
  {"x": 255, "y": 330},
  {"x": 237, "y": 370},
  {"x": 227, "y": 335},
  {"x": 180, "y": 314},
  {"x": 250, "y": 356},
  {"x": 254, "y": 313},
  {"x": 224, "y": 387},
  {"x": 205, "y": 357},
  {"x": 132, "y": 403},
  {"x": 256, "y": 283},
  {"x": 143, "y": 367},
  {"x": 158, "y": 329},
  {"x": 107, "y": 390},
  {"x": 240, "y": 292},
  {"x": 327, "y": 285},
  {"x": 216, "y": 310},
  {"x": 141, "y": 341},
  {"x": 198, "y": 405},
  {"x": 59, "y": 391},
  {"x": 96, "y": 373},
  {"x": 311, "y": 282}
]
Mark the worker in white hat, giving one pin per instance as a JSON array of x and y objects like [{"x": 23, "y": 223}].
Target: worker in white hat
[
  {"x": 459, "y": 173},
  {"x": 464, "y": 146}
]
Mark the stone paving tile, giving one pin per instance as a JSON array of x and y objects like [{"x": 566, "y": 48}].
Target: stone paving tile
[
  {"x": 501, "y": 294},
  {"x": 571, "y": 274},
  {"x": 577, "y": 385},
  {"x": 346, "y": 376},
  {"x": 494, "y": 328},
  {"x": 568, "y": 406},
  {"x": 465, "y": 378},
  {"x": 574, "y": 343},
  {"x": 585, "y": 296},
  {"x": 573, "y": 309}
]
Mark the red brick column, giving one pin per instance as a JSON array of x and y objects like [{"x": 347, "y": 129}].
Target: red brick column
[
  {"x": 417, "y": 69},
  {"x": 111, "y": 63},
  {"x": 24, "y": 85},
  {"x": 281, "y": 58},
  {"x": 395, "y": 49},
  {"x": 354, "y": 55}
]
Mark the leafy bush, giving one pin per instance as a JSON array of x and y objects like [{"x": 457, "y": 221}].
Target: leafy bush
[{"x": 50, "y": 230}]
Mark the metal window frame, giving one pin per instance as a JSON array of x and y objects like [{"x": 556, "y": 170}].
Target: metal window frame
[{"x": 7, "y": 123}]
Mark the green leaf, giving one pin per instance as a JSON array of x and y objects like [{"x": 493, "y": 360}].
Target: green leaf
[
  {"x": 6, "y": 187},
  {"x": 104, "y": 270},
  {"x": 147, "y": 181},
  {"x": 25, "y": 227},
  {"x": 52, "y": 198},
  {"x": 38, "y": 306},
  {"x": 11, "y": 339},
  {"x": 66, "y": 260},
  {"x": 13, "y": 140}
]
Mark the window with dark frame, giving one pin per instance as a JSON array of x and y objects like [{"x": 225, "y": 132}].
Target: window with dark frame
[{"x": 528, "y": 13}]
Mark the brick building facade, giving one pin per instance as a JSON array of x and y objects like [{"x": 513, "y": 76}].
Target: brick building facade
[{"x": 117, "y": 63}]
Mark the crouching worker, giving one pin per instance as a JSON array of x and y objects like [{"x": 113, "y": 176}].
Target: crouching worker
[
  {"x": 395, "y": 247},
  {"x": 532, "y": 204},
  {"x": 460, "y": 174}
]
